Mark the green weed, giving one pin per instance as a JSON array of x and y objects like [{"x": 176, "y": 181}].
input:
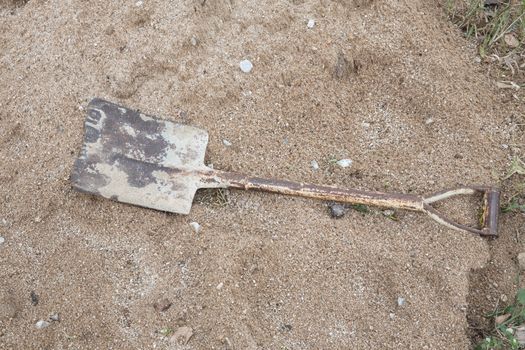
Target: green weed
[
  {"x": 509, "y": 330},
  {"x": 360, "y": 208},
  {"x": 498, "y": 26}
]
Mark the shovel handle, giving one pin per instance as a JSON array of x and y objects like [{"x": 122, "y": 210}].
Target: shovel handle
[
  {"x": 330, "y": 193},
  {"x": 488, "y": 219},
  {"x": 488, "y": 225}
]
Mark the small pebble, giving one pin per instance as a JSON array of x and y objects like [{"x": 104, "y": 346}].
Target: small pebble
[
  {"x": 226, "y": 143},
  {"x": 139, "y": 3},
  {"x": 286, "y": 327},
  {"x": 227, "y": 342},
  {"x": 337, "y": 210},
  {"x": 314, "y": 165},
  {"x": 38, "y": 219},
  {"x": 391, "y": 315},
  {"x": 193, "y": 41},
  {"x": 195, "y": 226},
  {"x": 246, "y": 66},
  {"x": 400, "y": 301},
  {"x": 501, "y": 318},
  {"x": 429, "y": 121},
  {"x": 2, "y": 239},
  {"x": 162, "y": 305},
  {"x": 521, "y": 260},
  {"x": 219, "y": 286},
  {"x": 34, "y": 298},
  {"x": 182, "y": 335},
  {"x": 41, "y": 324},
  {"x": 388, "y": 212},
  {"x": 55, "y": 318},
  {"x": 344, "y": 163},
  {"x": 520, "y": 335},
  {"x": 311, "y": 23}
]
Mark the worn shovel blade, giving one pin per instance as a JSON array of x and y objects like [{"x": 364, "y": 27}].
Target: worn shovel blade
[{"x": 134, "y": 158}]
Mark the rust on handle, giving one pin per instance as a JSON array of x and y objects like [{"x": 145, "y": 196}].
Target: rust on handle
[
  {"x": 488, "y": 221},
  {"x": 398, "y": 201}
]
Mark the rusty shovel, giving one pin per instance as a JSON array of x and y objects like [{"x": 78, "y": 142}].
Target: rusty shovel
[{"x": 143, "y": 160}]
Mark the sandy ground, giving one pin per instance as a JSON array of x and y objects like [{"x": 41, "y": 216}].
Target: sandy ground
[{"x": 390, "y": 84}]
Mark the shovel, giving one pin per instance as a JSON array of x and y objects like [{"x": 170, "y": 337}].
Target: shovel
[{"x": 143, "y": 160}]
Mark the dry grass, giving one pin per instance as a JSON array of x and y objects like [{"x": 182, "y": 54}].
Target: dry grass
[{"x": 498, "y": 26}]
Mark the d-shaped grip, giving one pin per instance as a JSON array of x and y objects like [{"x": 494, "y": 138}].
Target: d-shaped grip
[{"x": 488, "y": 223}]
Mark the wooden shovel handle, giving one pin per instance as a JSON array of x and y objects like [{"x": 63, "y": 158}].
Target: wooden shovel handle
[
  {"x": 329, "y": 193},
  {"x": 488, "y": 225}
]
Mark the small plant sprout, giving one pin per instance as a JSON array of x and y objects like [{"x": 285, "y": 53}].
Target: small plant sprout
[{"x": 508, "y": 326}]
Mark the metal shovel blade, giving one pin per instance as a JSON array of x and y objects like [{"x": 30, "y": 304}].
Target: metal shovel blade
[{"x": 138, "y": 159}]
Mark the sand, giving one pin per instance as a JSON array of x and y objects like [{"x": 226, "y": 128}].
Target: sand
[{"x": 390, "y": 84}]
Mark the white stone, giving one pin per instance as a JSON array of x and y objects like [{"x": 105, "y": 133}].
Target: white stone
[
  {"x": 521, "y": 261},
  {"x": 226, "y": 143},
  {"x": 219, "y": 286},
  {"x": 246, "y": 66},
  {"x": 314, "y": 165},
  {"x": 193, "y": 41},
  {"x": 344, "y": 163},
  {"x": 401, "y": 301},
  {"x": 41, "y": 324},
  {"x": 2, "y": 239},
  {"x": 388, "y": 212},
  {"x": 195, "y": 226},
  {"x": 311, "y": 23},
  {"x": 139, "y": 3}
]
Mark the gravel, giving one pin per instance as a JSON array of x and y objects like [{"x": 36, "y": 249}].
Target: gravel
[
  {"x": 314, "y": 165},
  {"x": 344, "y": 163},
  {"x": 42, "y": 324},
  {"x": 337, "y": 210},
  {"x": 34, "y": 298},
  {"x": 246, "y": 66},
  {"x": 388, "y": 212},
  {"x": 521, "y": 260},
  {"x": 162, "y": 305},
  {"x": 182, "y": 335},
  {"x": 311, "y": 23},
  {"x": 195, "y": 226}
]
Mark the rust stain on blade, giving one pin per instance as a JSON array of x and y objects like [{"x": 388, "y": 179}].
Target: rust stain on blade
[{"x": 139, "y": 159}]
